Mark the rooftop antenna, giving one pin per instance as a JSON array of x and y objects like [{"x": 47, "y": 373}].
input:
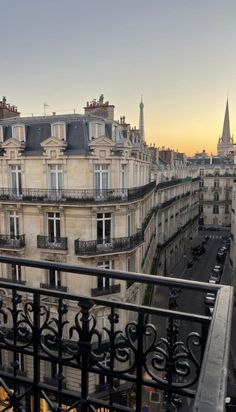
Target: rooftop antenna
[{"x": 45, "y": 105}]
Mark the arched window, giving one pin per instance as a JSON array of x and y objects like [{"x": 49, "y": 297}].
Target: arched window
[{"x": 216, "y": 196}]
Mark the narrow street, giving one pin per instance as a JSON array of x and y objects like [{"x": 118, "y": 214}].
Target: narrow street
[{"x": 190, "y": 301}]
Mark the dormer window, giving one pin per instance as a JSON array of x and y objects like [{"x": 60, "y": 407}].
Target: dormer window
[
  {"x": 115, "y": 133},
  {"x": 58, "y": 130},
  {"x": 96, "y": 130},
  {"x": 18, "y": 132},
  {"x": 1, "y": 134}
]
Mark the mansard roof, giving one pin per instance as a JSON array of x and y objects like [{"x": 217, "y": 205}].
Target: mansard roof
[{"x": 38, "y": 129}]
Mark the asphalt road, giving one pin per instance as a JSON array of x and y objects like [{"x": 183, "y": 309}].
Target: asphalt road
[{"x": 191, "y": 301}]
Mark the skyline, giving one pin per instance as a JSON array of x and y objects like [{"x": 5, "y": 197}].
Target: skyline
[{"x": 178, "y": 54}]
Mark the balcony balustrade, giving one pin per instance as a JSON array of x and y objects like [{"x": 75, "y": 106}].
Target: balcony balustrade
[
  {"x": 53, "y": 287},
  {"x": 52, "y": 242},
  {"x": 34, "y": 195},
  {"x": 106, "y": 290},
  {"x": 132, "y": 350},
  {"x": 119, "y": 244},
  {"x": 12, "y": 241},
  {"x": 216, "y": 189}
]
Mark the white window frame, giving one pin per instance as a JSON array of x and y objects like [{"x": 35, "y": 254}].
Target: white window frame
[
  {"x": 58, "y": 130},
  {"x": 57, "y": 275},
  {"x": 103, "y": 219},
  {"x": 101, "y": 179},
  {"x": 123, "y": 176},
  {"x": 15, "y": 219},
  {"x": 57, "y": 171},
  {"x": 17, "y": 187},
  {"x": 16, "y": 269},
  {"x": 105, "y": 264},
  {"x": 16, "y": 134},
  {"x": 1, "y": 134},
  {"x": 55, "y": 218},
  {"x": 96, "y": 129}
]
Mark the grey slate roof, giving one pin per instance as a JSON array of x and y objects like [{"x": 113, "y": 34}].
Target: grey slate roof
[{"x": 38, "y": 129}]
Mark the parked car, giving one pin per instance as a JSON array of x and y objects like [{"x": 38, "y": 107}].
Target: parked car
[
  {"x": 210, "y": 298},
  {"x": 212, "y": 281},
  {"x": 216, "y": 277},
  {"x": 198, "y": 250},
  {"x": 218, "y": 269},
  {"x": 221, "y": 255},
  {"x": 209, "y": 309}
]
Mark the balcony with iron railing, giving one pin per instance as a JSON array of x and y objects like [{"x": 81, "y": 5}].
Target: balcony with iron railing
[
  {"x": 179, "y": 355},
  {"x": 36, "y": 195},
  {"x": 106, "y": 290},
  {"x": 52, "y": 242},
  {"x": 12, "y": 241},
  {"x": 112, "y": 245}
]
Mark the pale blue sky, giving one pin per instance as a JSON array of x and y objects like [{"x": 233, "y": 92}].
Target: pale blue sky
[{"x": 180, "y": 54}]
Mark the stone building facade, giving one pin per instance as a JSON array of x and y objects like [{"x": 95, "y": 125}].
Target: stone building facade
[{"x": 80, "y": 189}]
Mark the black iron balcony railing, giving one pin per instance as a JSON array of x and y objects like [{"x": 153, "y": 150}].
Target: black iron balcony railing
[
  {"x": 12, "y": 280},
  {"x": 52, "y": 242},
  {"x": 95, "y": 247},
  {"x": 36, "y": 195},
  {"x": 53, "y": 287},
  {"x": 173, "y": 182},
  {"x": 106, "y": 290},
  {"x": 140, "y": 354},
  {"x": 12, "y": 241}
]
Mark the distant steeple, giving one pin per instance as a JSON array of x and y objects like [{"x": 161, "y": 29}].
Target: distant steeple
[
  {"x": 225, "y": 144},
  {"x": 141, "y": 120},
  {"x": 226, "y": 137}
]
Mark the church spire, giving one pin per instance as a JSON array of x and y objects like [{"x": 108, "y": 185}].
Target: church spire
[
  {"x": 141, "y": 120},
  {"x": 226, "y": 137}
]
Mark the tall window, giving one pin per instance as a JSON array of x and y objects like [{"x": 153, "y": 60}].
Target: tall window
[
  {"x": 201, "y": 183},
  {"x": 18, "y": 132},
  {"x": 217, "y": 172},
  {"x": 216, "y": 196},
  {"x": 96, "y": 130},
  {"x": 216, "y": 183},
  {"x": 227, "y": 195},
  {"x": 226, "y": 209},
  {"x": 14, "y": 224},
  {"x": 201, "y": 209},
  {"x": 123, "y": 176},
  {"x": 16, "y": 182},
  {"x": 1, "y": 134},
  {"x": 215, "y": 209},
  {"x": 104, "y": 282},
  {"x": 53, "y": 226},
  {"x": 15, "y": 272},
  {"x": 54, "y": 277},
  {"x": 55, "y": 176},
  {"x": 201, "y": 172},
  {"x": 101, "y": 179},
  {"x": 103, "y": 228}
]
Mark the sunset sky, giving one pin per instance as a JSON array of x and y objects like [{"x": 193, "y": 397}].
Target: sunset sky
[{"x": 179, "y": 54}]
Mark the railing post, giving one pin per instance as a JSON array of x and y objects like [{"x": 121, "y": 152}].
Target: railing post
[
  {"x": 85, "y": 347},
  {"x": 36, "y": 328},
  {"x": 139, "y": 362}
]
